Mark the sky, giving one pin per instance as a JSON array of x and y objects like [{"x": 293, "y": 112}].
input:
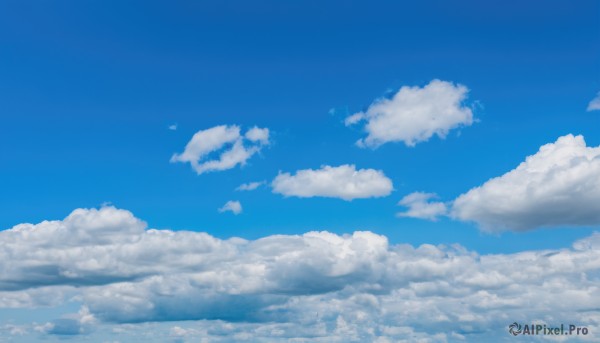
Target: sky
[{"x": 298, "y": 171}]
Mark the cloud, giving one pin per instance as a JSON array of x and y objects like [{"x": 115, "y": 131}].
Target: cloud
[
  {"x": 353, "y": 119},
  {"x": 256, "y": 134},
  {"x": 235, "y": 149},
  {"x": 233, "y": 206},
  {"x": 249, "y": 186},
  {"x": 315, "y": 287},
  {"x": 344, "y": 182},
  {"x": 69, "y": 325},
  {"x": 594, "y": 105},
  {"x": 173, "y": 127},
  {"x": 557, "y": 186},
  {"x": 415, "y": 114},
  {"x": 420, "y": 206}
]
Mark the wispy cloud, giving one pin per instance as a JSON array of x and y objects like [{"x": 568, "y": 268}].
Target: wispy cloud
[
  {"x": 232, "y": 206},
  {"x": 250, "y": 186},
  {"x": 420, "y": 206},
  {"x": 594, "y": 105},
  {"x": 234, "y": 148}
]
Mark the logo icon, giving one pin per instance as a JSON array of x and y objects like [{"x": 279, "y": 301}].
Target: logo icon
[{"x": 514, "y": 328}]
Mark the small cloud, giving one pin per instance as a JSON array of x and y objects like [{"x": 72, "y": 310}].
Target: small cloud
[
  {"x": 79, "y": 323},
  {"x": 353, "y": 119},
  {"x": 15, "y": 330},
  {"x": 414, "y": 114},
  {"x": 173, "y": 127},
  {"x": 344, "y": 182},
  {"x": 178, "y": 331},
  {"x": 44, "y": 328},
  {"x": 233, "y": 148},
  {"x": 249, "y": 186},
  {"x": 234, "y": 206},
  {"x": 420, "y": 206},
  {"x": 594, "y": 105},
  {"x": 257, "y": 134}
]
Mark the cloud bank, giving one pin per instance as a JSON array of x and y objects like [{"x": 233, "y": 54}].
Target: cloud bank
[
  {"x": 315, "y": 287},
  {"x": 344, "y": 182},
  {"x": 415, "y": 114},
  {"x": 234, "y": 148}
]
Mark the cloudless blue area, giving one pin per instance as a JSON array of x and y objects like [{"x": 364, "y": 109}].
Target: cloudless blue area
[{"x": 89, "y": 88}]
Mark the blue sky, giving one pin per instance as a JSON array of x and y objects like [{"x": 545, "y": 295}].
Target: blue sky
[{"x": 88, "y": 91}]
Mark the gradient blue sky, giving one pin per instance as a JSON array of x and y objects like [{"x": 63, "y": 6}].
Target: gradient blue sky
[{"x": 88, "y": 90}]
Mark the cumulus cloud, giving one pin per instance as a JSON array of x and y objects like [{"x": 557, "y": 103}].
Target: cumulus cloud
[
  {"x": 420, "y": 206},
  {"x": 415, "y": 114},
  {"x": 249, "y": 186},
  {"x": 173, "y": 127},
  {"x": 315, "y": 287},
  {"x": 557, "y": 186},
  {"x": 594, "y": 105},
  {"x": 234, "y": 148},
  {"x": 232, "y": 206},
  {"x": 344, "y": 182}
]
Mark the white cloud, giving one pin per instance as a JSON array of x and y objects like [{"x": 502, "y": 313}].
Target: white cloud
[
  {"x": 233, "y": 206},
  {"x": 420, "y": 206},
  {"x": 315, "y": 287},
  {"x": 344, "y": 182},
  {"x": 249, "y": 186},
  {"x": 226, "y": 139},
  {"x": 594, "y": 105},
  {"x": 178, "y": 331},
  {"x": 355, "y": 118},
  {"x": 558, "y": 186},
  {"x": 257, "y": 134},
  {"x": 206, "y": 141},
  {"x": 415, "y": 114},
  {"x": 173, "y": 127}
]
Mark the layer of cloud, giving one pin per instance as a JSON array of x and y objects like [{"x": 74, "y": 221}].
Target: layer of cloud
[
  {"x": 419, "y": 205},
  {"x": 316, "y": 287},
  {"x": 232, "y": 206},
  {"x": 594, "y": 105},
  {"x": 557, "y": 186},
  {"x": 344, "y": 182},
  {"x": 415, "y": 114},
  {"x": 234, "y": 148},
  {"x": 249, "y": 186}
]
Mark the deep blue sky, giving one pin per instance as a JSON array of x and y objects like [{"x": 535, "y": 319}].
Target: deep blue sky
[{"x": 88, "y": 89}]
